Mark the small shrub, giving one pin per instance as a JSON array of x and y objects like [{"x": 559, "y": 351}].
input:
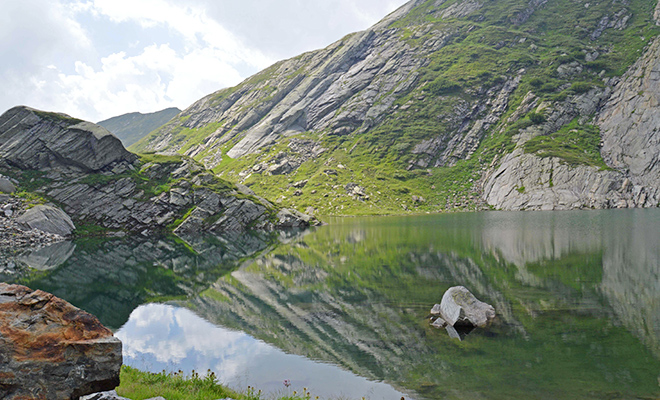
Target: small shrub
[
  {"x": 580, "y": 87},
  {"x": 536, "y": 118},
  {"x": 536, "y": 82},
  {"x": 442, "y": 86}
]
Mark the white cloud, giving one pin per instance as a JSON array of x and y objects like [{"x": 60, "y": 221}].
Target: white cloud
[
  {"x": 191, "y": 22},
  {"x": 155, "y": 79},
  {"x": 95, "y": 59}
]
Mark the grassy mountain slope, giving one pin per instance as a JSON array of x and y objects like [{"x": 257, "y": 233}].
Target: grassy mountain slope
[
  {"x": 415, "y": 113},
  {"x": 130, "y": 128}
]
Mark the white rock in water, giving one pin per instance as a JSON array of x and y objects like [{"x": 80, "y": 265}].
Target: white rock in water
[{"x": 460, "y": 307}]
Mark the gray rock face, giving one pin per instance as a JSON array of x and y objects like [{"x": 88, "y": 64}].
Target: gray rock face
[
  {"x": 52, "y": 350},
  {"x": 460, "y": 307},
  {"x": 121, "y": 204},
  {"x": 47, "y": 219},
  {"x": 628, "y": 115},
  {"x": 86, "y": 170},
  {"x": 32, "y": 139},
  {"x": 630, "y": 125},
  {"x": 527, "y": 182},
  {"x": 346, "y": 87}
]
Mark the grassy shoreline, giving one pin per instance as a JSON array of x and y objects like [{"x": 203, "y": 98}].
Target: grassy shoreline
[{"x": 140, "y": 385}]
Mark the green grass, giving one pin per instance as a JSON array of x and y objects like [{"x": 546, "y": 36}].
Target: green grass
[
  {"x": 574, "y": 144},
  {"x": 148, "y": 157},
  {"x": 58, "y": 117},
  {"x": 102, "y": 179},
  {"x": 139, "y": 385}
]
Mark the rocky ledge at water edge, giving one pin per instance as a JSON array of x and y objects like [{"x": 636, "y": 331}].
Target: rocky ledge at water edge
[{"x": 50, "y": 349}]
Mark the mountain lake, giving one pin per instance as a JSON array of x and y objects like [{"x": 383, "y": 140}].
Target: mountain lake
[{"x": 342, "y": 310}]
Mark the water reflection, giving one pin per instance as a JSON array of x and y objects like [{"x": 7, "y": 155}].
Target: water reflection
[
  {"x": 110, "y": 278},
  {"x": 159, "y": 337},
  {"x": 356, "y": 293},
  {"x": 577, "y": 295}
]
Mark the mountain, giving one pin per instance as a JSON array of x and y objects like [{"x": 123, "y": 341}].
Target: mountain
[
  {"x": 445, "y": 105},
  {"x": 85, "y": 170},
  {"x": 130, "y": 128}
]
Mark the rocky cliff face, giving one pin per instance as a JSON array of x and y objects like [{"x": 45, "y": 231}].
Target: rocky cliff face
[
  {"x": 630, "y": 124},
  {"x": 462, "y": 104},
  {"x": 628, "y": 115},
  {"x": 86, "y": 171}
]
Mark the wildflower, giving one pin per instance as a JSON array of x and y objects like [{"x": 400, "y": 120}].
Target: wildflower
[{"x": 287, "y": 383}]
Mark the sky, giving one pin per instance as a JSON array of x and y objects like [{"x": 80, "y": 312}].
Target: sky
[{"x": 96, "y": 59}]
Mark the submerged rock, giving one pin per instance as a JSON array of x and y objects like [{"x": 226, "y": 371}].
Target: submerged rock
[
  {"x": 50, "y": 349},
  {"x": 459, "y": 307}
]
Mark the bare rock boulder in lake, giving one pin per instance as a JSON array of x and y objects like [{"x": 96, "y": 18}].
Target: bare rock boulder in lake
[
  {"x": 50, "y": 349},
  {"x": 459, "y": 307}
]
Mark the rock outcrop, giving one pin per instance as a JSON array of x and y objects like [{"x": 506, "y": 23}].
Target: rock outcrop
[
  {"x": 109, "y": 395},
  {"x": 52, "y": 350},
  {"x": 6, "y": 185},
  {"x": 37, "y": 140},
  {"x": 86, "y": 171},
  {"x": 13, "y": 238},
  {"x": 630, "y": 126}
]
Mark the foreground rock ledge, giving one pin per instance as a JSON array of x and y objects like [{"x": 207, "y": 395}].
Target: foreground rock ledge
[{"x": 50, "y": 349}]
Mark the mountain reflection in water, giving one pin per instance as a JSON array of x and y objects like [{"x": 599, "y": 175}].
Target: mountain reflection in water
[{"x": 577, "y": 296}]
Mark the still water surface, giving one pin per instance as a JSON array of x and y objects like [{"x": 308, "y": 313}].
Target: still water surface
[{"x": 341, "y": 309}]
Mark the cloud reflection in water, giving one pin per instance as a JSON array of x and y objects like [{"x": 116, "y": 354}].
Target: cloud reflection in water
[{"x": 160, "y": 337}]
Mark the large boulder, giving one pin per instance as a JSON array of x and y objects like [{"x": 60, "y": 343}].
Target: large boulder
[
  {"x": 459, "y": 307},
  {"x": 50, "y": 349},
  {"x": 47, "y": 219},
  {"x": 6, "y": 186}
]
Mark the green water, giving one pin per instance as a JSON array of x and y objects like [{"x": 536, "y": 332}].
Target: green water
[{"x": 577, "y": 296}]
